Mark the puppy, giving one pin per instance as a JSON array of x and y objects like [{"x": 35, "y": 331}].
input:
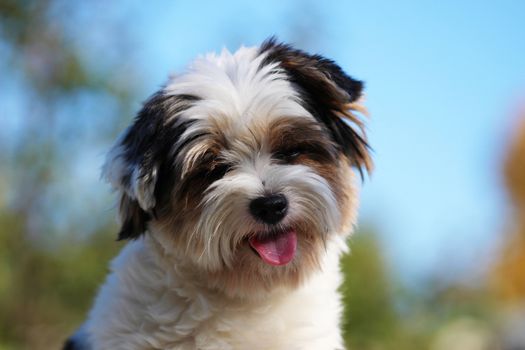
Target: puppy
[{"x": 236, "y": 195}]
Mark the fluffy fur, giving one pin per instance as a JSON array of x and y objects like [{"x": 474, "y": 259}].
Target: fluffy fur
[{"x": 231, "y": 129}]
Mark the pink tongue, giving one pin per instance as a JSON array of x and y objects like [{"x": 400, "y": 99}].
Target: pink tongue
[{"x": 276, "y": 250}]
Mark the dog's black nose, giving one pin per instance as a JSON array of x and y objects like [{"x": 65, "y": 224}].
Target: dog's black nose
[{"x": 270, "y": 209}]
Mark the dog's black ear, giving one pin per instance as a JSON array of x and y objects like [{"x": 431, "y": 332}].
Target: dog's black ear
[
  {"x": 134, "y": 163},
  {"x": 328, "y": 93},
  {"x": 133, "y": 218}
]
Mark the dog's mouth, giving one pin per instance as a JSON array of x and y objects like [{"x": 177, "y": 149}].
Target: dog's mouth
[{"x": 275, "y": 248}]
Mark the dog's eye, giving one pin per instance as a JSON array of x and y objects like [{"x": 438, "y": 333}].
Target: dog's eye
[
  {"x": 288, "y": 155},
  {"x": 218, "y": 171}
]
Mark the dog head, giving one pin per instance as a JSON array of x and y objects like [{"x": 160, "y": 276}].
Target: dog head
[{"x": 242, "y": 166}]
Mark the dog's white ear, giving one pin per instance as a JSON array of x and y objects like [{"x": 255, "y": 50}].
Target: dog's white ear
[{"x": 134, "y": 163}]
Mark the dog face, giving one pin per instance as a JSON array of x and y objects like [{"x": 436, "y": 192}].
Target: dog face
[{"x": 241, "y": 167}]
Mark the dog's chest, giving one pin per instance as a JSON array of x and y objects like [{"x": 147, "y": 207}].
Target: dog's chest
[
  {"x": 208, "y": 325},
  {"x": 142, "y": 307}
]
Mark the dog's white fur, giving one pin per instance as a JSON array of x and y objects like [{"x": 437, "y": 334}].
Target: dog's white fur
[
  {"x": 156, "y": 296},
  {"x": 150, "y": 302}
]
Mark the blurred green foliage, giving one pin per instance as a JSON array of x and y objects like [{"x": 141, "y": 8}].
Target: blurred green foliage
[
  {"x": 380, "y": 313},
  {"x": 367, "y": 291},
  {"x": 45, "y": 293},
  {"x": 50, "y": 267}
]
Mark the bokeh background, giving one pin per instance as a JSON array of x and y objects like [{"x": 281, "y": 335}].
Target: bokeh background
[{"x": 438, "y": 261}]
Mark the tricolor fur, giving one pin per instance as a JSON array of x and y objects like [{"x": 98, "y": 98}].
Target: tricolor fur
[{"x": 267, "y": 121}]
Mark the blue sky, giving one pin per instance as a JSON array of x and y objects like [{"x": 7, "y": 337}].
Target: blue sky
[{"x": 442, "y": 81}]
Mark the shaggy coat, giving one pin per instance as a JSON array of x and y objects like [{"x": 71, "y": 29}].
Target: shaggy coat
[{"x": 236, "y": 193}]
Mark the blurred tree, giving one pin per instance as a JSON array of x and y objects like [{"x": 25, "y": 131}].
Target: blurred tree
[
  {"x": 509, "y": 273},
  {"x": 47, "y": 276}
]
